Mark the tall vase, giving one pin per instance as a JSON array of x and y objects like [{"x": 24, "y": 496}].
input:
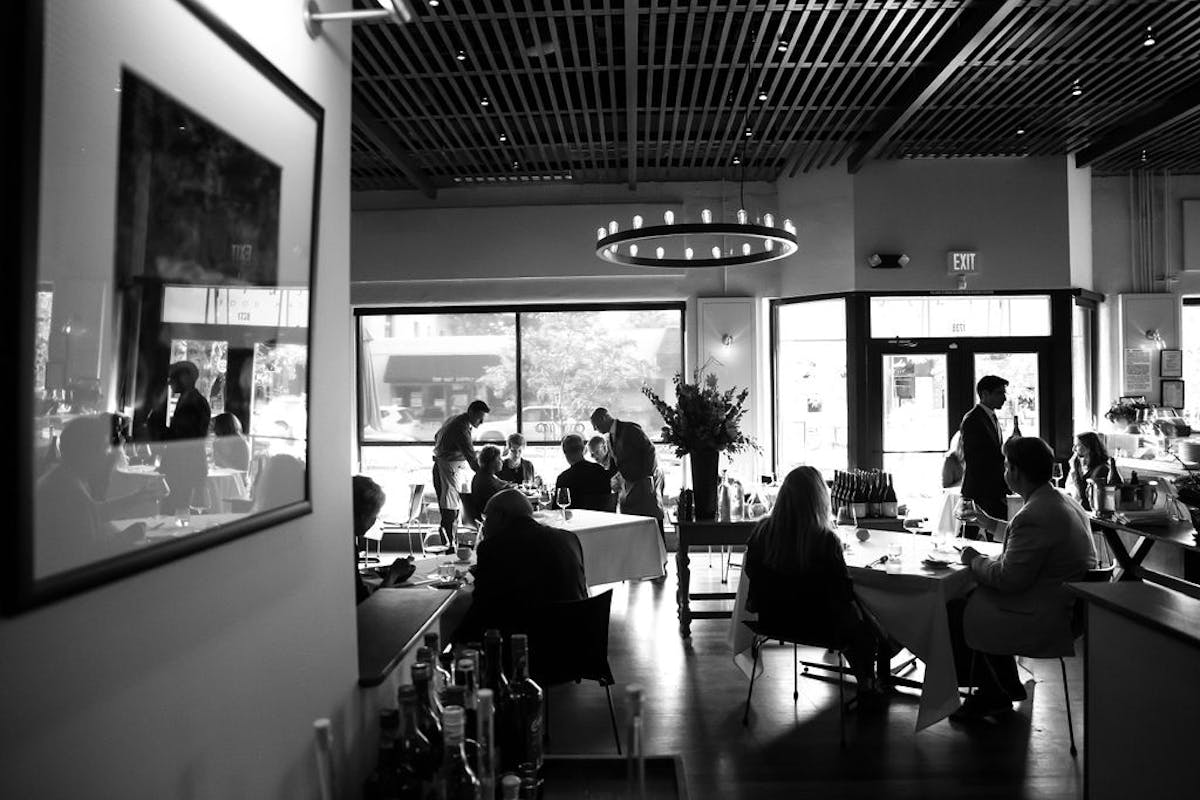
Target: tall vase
[{"x": 704, "y": 482}]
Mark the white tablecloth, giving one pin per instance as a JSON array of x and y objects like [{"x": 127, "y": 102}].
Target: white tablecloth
[
  {"x": 910, "y": 604},
  {"x": 222, "y": 485},
  {"x": 616, "y": 547}
]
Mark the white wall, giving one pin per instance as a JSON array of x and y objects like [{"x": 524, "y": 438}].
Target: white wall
[
  {"x": 1013, "y": 212},
  {"x": 201, "y": 678}
]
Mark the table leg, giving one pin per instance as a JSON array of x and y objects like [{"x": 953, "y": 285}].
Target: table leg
[
  {"x": 1128, "y": 561},
  {"x": 682, "y": 564}
]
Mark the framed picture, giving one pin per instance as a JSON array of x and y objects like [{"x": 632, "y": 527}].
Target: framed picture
[
  {"x": 1172, "y": 394},
  {"x": 168, "y": 207},
  {"x": 1170, "y": 364}
]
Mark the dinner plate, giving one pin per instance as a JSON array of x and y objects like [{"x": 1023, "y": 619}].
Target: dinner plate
[{"x": 936, "y": 562}]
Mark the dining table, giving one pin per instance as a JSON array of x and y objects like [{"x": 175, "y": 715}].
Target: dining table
[
  {"x": 616, "y": 547},
  {"x": 907, "y": 595},
  {"x": 223, "y": 486}
]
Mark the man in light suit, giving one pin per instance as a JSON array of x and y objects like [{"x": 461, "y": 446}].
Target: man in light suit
[
  {"x": 1021, "y": 606},
  {"x": 983, "y": 460}
]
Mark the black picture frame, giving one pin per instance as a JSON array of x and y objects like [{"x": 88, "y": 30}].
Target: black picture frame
[
  {"x": 1170, "y": 363},
  {"x": 1171, "y": 392},
  {"x": 69, "y": 181}
]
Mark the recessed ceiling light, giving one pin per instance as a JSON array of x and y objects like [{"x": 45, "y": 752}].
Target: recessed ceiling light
[
  {"x": 1076, "y": 89},
  {"x": 762, "y": 95},
  {"x": 1020, "y": 131},
  {"x": 483, "y": 101},
  {"x": 434, "y": 3},
  {"x": 461, "y": 56},
  {"x": 737, "y": 160},
  {"x": 504, "y": 137},
  {"x": 749, "y": 133},
  {"x": 1143, "y": 155},
  {"x": 1149, "y": 40},
  {"x": 782, "y": 46}
]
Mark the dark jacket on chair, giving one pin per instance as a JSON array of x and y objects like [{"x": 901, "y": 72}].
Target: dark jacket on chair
[{"x": 518, "y": 569}]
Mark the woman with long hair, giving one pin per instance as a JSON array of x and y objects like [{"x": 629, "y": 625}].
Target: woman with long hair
[
  {"x": 1089, "y": 461},
  {"x": 799, "y": 583}
]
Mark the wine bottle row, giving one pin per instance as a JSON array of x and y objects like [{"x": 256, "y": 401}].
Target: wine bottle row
[
  {"x": 463, "y": 730},
  {"x": 869, "y": 491}
]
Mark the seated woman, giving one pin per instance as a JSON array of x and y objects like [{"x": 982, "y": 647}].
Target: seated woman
[
  {"x": 799, "y": 584},
  {"x": 230, "y": 447},
  {"x": 1089, "y": 461},
  {"x": 368, "y": 498},
  {"x": 514, "y": 468},
  {"x": 486, "y": 481}
]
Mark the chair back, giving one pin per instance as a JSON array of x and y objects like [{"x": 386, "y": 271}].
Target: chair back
[
  {"x": 470, "y": 510},
  {"x": 569, "y": 642}
]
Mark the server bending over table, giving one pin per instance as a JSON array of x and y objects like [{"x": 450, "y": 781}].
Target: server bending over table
[{"x": 1021, "y": 606}]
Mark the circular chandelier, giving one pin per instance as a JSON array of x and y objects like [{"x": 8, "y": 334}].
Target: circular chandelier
[{"x": 697, "y": 244}]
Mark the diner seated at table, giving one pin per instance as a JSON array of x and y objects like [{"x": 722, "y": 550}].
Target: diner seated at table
[
  {"x": 1089, "y": 461},
  {"x": 368, "y": 499},
  {"x": 486, "y": 482},
  {"x": 520, "y": 565},
  {"x": 281, "y": 481},
  {"x": 799, "y": 584},
  {"x": 73, "y": 526},
  {"x": 588, "y": 481},
  {"x": 1021, "y": 606},
  {"x": 230, "y": 447},
  {"x": 515, "y": 468},
  {"x": 598, "y": 450}
]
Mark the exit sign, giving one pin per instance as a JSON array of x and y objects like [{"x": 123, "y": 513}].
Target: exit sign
[{"x": 961, "y": 262}]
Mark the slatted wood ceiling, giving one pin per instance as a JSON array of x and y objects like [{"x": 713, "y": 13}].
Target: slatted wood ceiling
[{"x": 500, "y": 91}]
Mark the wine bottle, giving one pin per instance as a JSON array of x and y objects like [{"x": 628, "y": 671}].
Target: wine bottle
[
  {"x": 1114, "y": 475},
  {"x": 873, "y": 495},
  {"x": 860, "y": 496},
  {"x": 439, "y": 675},
  {"x": 510, "y": 787},
  {"x": 890, "y": 505},
  {"x": 523, "y": 739},
  {"x": 456, "y": 780},
  {"x": 428, "y": 717},
  {"x": 383, "y": 782},
  {"x": 485, "y": 736},
  {"x": 464, "y": 676},
  {"x": 415, "y": 764}
]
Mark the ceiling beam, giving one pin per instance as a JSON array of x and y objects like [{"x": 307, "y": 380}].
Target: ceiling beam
[
  {"x": 973, "y": 29},
  {"x": 631, "y": 59},
  {"x": 391, "y": 145},
  {"x": 1161, "y": 115}
]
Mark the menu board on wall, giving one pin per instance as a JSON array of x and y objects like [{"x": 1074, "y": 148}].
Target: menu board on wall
[{"x": 1137, "y": 371}]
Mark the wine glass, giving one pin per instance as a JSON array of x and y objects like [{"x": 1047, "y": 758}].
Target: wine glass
[
  {"x": 967, "y": 514},
  {"x": 1058, "y": 473},
  {"x": 563, "y": 498},
  {"x": 846, "y": 516}
]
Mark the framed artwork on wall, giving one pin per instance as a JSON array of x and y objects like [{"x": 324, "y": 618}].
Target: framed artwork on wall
[
  {"x": 1172, "y": 394},
  {"x": 1170, "y": 364},
  {"x": 169, "y": 208}
]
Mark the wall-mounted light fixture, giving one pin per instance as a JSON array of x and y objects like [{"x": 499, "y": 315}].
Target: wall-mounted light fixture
[
  {"x": 398, "y": 10},
  {"x": 1155, "y": 336},
  {"x": 887, "y": 260},
  {"x": 727, "y": 341}
]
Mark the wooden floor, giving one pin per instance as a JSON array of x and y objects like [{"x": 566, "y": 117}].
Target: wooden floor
[{"x": 695, "y": 695}]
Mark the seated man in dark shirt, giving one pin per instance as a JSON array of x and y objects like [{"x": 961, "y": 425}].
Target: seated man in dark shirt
[
  {"x": 484, "y": 484},
  {"x": 587, "y": 480},
  {"x": 520, "y": 565}
]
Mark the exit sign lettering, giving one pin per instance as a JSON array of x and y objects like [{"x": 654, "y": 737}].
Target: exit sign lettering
[{"x": 961, "y": 262}]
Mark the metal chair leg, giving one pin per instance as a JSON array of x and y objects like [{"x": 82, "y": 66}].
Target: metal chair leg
[
  {"x": 841, "y": 701},
  {"x": 755, "y": 647},
  {"x": 612, "y": 715},
  {"x": 795, "y": 674},
  {"x": 1067, "y": 697}
]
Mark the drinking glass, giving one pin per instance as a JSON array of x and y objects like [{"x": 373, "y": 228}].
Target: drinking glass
[
  {"x": 1058, "y": 473},
  {"x": 845, "y": 515},
  {"x": 563, "y": 498}
]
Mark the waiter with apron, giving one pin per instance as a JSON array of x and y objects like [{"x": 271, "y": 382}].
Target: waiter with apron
[{"x": 454, "y": 462}]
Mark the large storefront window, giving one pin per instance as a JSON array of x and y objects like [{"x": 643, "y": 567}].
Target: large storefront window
[
  {"x": 541, "y": 370},
  {"x": 811, "y": 408}
]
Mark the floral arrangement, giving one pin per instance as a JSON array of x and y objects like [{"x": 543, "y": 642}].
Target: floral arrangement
[
  {"x": 703, "y": 417},
  {"x": 1124, "y": 412}
]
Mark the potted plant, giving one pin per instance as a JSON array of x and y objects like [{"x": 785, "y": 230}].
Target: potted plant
[
  {"x": 1124, "y": 413},
  {"x": 702, "y": 423}
]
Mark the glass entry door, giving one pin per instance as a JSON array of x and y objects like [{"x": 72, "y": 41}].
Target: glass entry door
[{"x": 915, "y": 421}]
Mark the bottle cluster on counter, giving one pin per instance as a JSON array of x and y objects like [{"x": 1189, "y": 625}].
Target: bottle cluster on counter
[
  {"x": 869, "y": 491},
  {"x": 471, "y": 734}
]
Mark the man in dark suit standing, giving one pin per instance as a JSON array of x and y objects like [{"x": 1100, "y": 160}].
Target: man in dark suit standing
[
  {"x": 184, "y": 457},
  {"x": 520, "y": 565},
  {"x": 983, "y": 459}
]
